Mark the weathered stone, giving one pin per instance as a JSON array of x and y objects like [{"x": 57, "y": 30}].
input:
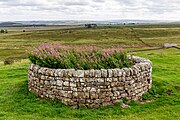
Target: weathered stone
[
  {"x": 43, "y": 77},
  {"x": 89, "y": 101},
  {"x": 113, "y": 84},
  {"x": 104, "y": 73},
  {"x": 116, "y": 93},
  {"x": 100, "y": 80},
  {"x": 46, "y": 82},
  {"x": 118, "y": 101},
  {"x": 69, "y": 72},
  {"x": 82, "y": 80},
  {"x": 86, "y": 73},
  {"x": 31, "y": 67},
  {"x": 82, "y": 101},
  {"x": 74, "y": 89},
  {"x": 72, "y": 84},
  {"x": 93, "y": 90},
  {"x": 119, "y": 72},
  {"x": 66, "y": 88},
  {"x": 97, "y": 73},
  {"x": 124, "y": 95},
  {"x": 115, "y": 79},
  {"x": 88, "y": 88},
  {"x": 53, "y": 82},
  {"x": 109, "y": 79},
  {"x": 59, "y": 72},
  {"x": 107, "y": 104},
  {"x": 86, "y": 95},
  {"x": 66, "y": 83},
  {"x": 107, "y": 99},
  {"x": 122, "y": 105},
  {"x": 110, "y": 73},
  {"x": 115, "y": 72},
  {"x": 90, "y": 80},
  {"x": 40, "y": 71},
  {"x": 36, "y": 68},
  {"x": 98, "y": 101},
  {"x": 127, "y": 72},
  {"x": 81, "y": 95},
  {"x": 94, "y": 105},
  {"x": 91, "y": 73},
  {"x": 75, "y": 94},
  {"x": 71, "y": 79},
  {"x": 93, "y": 95},
  {"x": 66, "y": 101},
  {"x": 80, "y": 73}
]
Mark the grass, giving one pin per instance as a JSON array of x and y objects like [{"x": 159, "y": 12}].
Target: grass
[
  {"x": 17, "y": 103},
  {"x": 129, "y": 36}
]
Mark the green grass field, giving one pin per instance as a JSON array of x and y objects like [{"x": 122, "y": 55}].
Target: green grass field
[{"x": 16, "y": 103}]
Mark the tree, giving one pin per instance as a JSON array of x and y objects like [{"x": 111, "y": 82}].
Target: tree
[{"x": 2, "y": 31}]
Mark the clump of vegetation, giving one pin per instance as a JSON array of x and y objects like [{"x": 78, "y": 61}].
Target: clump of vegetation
[
  {"x": 8, "y": 61},
  {"x": 68, "y": 57},
  {"x": 4, "y": 31}
]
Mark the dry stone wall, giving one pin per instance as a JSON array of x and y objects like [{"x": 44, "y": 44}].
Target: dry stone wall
[{"x": 91, "y": 88}]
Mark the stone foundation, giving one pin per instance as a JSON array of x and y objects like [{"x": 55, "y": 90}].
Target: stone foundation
[{"x": 92, "y": 88}]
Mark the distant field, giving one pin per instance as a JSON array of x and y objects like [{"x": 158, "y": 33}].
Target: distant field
[{"x": 15, "y": 42}]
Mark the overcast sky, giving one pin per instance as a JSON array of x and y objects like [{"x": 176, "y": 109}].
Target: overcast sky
[{"x": 13, "y": 10}]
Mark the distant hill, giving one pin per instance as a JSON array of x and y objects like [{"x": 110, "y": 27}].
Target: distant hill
[
  {"x": 78, "y": 22},
  {"x": 18, "y": 24},
  {"x": 83, "y": 22},
  {"x": 9, "y": 24}
]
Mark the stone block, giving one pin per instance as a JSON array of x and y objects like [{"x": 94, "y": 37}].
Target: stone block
[
  {"x": 97, "y": 73},
  {"x": 110, "y": 73},
  {"x": 104, "y": 73}
]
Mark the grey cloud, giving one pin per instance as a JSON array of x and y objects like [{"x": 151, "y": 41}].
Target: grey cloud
[
  {"x": 75, "y": 3},
  {"x": 85, "y": 9},
  {"x": 20, "y": 3},
  {"x": 127, "y": 2},
  {"x": 100, "y": 1}
]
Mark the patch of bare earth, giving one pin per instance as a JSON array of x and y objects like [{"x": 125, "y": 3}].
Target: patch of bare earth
[{"x": 177, "y": 88}]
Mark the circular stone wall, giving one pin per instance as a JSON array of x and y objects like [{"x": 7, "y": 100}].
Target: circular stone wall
[{"x": 92, "y": 88}]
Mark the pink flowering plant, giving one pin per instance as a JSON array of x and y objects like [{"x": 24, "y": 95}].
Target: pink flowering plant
[{"x": 78, "y": 57}]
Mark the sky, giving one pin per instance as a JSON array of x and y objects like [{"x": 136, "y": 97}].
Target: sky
[{"x": 26, "y": 10}]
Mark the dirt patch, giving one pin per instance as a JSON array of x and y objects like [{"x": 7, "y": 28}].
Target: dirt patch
[
  {"x": 169, "y": 92},
  {"x": 177, "y": 88}
]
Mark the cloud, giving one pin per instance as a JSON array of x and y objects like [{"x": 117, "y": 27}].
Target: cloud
[
  {"x": 89, "y": 9},
  {"x": 99, "y": 1},
  {"x": 75, "y": 3}
]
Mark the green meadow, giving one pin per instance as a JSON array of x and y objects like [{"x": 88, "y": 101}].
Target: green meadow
[{"x": 16, "y": 103}]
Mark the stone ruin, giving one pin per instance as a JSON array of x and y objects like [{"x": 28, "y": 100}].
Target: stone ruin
[{"x": 92, "y": 88}]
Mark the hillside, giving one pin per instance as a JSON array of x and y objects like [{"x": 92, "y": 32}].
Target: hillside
[{"x": 9, "y": 24}]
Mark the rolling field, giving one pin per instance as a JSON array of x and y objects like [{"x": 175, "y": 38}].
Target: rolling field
[
  {"x": 16, "y": 103},
  {"x": 15, "y": 42}
]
